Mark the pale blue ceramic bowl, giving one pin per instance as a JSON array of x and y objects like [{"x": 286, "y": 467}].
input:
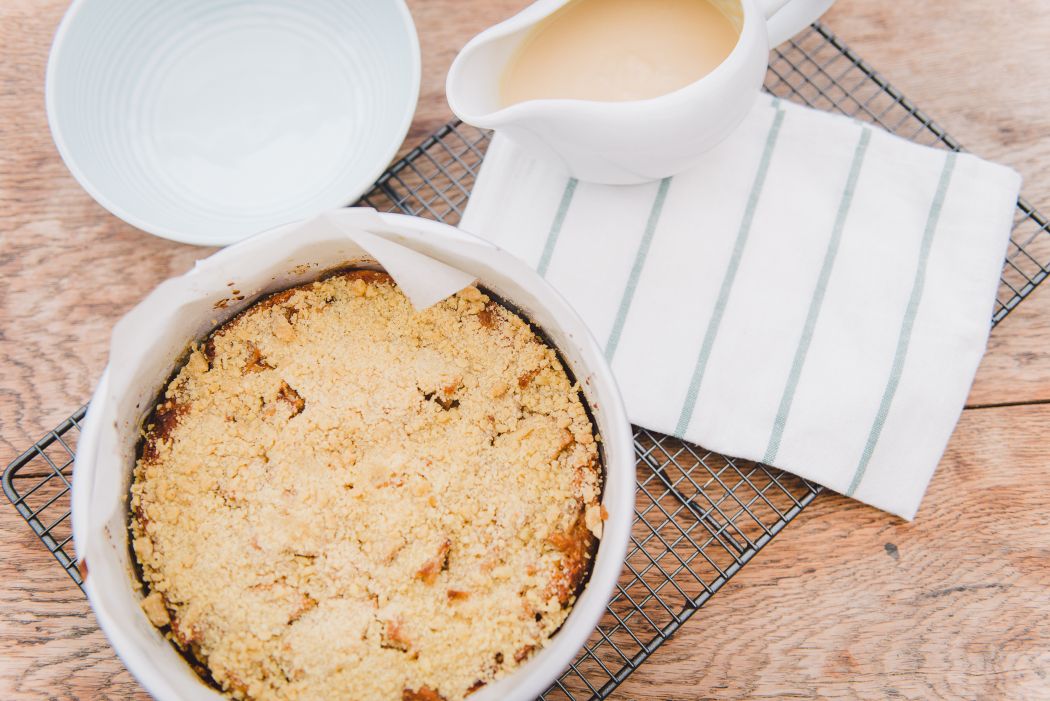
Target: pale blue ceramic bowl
[{"x": 206, "y": 121}]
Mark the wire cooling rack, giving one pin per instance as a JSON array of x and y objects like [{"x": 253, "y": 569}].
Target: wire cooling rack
[{"x": 700, "y": 516}]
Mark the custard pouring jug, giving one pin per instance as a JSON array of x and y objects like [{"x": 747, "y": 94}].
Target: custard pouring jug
[{"x": 629, "y": 141}]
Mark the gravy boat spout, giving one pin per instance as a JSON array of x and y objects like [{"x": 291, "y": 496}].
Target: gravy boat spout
[{"x": 474, "y": 81}]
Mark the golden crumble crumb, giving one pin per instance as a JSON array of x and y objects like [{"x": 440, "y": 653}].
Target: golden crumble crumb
[
  {"x": 155, "y": 610},
  {"x": 282, "y": 328},
  {"x": 472, "y": 294},
  {"x": 337, "y": 492},
  {"x": 197, "y": 363},
  {"x": 594, "y": 517}
]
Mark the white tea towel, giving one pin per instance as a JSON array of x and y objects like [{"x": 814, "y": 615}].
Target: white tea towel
[{"x": 816, "y": 294}]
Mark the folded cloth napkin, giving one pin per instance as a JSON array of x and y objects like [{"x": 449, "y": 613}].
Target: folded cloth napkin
[{"x": 815, "y": 295}]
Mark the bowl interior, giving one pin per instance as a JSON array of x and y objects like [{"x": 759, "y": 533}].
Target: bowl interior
[{"x": 206, "y": 121}]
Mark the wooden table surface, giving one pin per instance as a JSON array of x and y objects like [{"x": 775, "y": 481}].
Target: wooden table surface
[{"x": 848, "y": 602}]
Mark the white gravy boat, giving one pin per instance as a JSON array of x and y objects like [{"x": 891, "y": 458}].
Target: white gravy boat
[{"x": 630, "y": 141}]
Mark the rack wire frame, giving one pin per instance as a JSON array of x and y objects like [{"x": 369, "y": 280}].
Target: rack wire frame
[{"x": 700, "y": 517}]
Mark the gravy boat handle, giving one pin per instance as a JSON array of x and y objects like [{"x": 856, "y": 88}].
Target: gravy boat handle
[{"x": 786, "y": 18}]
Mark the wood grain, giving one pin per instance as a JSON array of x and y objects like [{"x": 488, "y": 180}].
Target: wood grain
[{"x": 848, "y": 602}]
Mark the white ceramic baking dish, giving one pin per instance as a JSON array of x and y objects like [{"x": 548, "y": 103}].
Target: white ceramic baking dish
[{"x": 152, "y": 338}]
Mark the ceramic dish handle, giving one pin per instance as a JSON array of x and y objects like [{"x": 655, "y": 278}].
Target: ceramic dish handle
[{"x": 785, "y": 18}]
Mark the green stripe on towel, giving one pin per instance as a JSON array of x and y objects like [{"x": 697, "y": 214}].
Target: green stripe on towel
[
  {"x": 559, "y": 219},
  {"x": 904, "y": 338},
  {"x": 727, "y": 281},
  {"x": 817, "y": 300},
  {"x": 636, "y": 269}
]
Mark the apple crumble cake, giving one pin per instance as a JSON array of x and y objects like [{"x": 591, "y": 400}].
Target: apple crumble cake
[{"x": 340, "y": 497}]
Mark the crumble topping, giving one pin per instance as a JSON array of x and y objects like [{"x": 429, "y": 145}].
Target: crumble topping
[{"x": 340, "y": 495}]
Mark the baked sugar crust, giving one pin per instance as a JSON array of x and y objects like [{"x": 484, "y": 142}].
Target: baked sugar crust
[{"x": 340, "y": 497}]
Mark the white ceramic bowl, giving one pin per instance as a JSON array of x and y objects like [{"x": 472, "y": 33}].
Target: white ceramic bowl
[
  {"x": 164, "y": 323},
  {"x": 206, "y": 121}
]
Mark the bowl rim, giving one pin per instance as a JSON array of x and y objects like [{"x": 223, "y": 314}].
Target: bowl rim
[
  {"x": 532, "y": 678},
  {"x": 360, "y": 186}
]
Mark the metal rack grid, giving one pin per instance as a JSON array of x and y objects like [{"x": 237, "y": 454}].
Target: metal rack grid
[{"x": 700, "y": 516}]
